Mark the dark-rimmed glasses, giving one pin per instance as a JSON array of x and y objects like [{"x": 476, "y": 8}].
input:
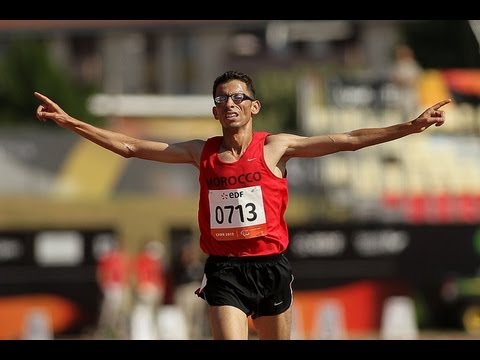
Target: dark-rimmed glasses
[{"x": 237, "y": 98}]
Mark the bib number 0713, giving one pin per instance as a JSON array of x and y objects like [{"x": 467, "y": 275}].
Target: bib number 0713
[{"x": 227, "y": 213}]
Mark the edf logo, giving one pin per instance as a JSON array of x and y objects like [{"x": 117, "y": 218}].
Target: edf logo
[{"x": 235, "y": 194}]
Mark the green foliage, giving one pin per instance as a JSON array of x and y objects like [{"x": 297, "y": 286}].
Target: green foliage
[
  {"x": 276, "y": 90},
  {"x": 25, "y": 67}
]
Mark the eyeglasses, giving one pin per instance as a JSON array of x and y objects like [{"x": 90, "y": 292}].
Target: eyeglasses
[{"x": 237, "y": 98}]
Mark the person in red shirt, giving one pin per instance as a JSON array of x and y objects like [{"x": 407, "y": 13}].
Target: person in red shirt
[
  {"x": 149, "y": 274},
  {"x": 243, "y": 199},
  {"x": 149, "y": 284},
  {"x": 112, "y": 277}
]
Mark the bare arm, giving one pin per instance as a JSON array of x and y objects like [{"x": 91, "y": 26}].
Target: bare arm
[
  {"x": 126, "y": 146},
  {"x": 299, "y": 146}
]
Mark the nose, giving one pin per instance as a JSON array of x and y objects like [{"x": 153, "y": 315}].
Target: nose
[{"x": 230, "y": 99}]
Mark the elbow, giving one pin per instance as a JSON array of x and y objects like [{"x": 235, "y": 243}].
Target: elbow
[
  {"x": 356, "y": 147},
  {"x": 352, "y": 147},
  {"x": 356, "y": 144},
  {"x": 128, "y": 151},
  {"x": 351, "y": 143}
]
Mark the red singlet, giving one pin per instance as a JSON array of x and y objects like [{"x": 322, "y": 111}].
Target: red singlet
[{"x": 242, "y": 204}]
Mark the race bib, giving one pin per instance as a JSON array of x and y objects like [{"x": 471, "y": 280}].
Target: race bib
[{"x": 237, "y": 214}]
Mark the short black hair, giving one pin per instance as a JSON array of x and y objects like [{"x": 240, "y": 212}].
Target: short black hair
[{"x": 234, "y": 75}]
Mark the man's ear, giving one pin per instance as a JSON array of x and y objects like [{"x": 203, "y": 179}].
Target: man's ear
[
  {"x": 214, "y": 112},
  {"x": 256, "y": 106}
]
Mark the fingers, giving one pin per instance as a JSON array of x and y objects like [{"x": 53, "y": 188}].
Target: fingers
[
  {"x": 40, "y": 96},
  {"x": 43, "y": 98},
  {"x": 440, "y": 104},
  {"x": 41, "y": 109},
  {"x": 39, "y": 113}
]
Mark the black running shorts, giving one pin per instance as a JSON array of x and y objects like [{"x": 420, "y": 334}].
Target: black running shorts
[{"x": 257, "y": 285}]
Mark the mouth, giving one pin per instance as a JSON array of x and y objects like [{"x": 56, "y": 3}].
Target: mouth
[{"x": 231, "y": 115}]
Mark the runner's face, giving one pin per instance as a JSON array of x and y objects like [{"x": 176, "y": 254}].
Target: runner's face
[{"x": 234, "y": 113}]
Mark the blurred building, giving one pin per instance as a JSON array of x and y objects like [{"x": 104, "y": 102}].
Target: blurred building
[{"x": 183, "y": 56}]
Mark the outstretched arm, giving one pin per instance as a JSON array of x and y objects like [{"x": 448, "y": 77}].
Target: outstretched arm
[
  {"x": 298, "y": 146},
  {"x": 126, "y": 146}
]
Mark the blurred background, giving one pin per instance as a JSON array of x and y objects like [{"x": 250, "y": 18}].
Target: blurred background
[{"x": 379, "y": 236}]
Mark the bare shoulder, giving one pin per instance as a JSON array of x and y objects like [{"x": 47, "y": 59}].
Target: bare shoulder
[
  {"x": 195, "y": 143},
  {"x": 191, "y": 149},
  {"x": 278, "y": 147},
  {"x": 194, "y": 146},
  {"x": 281, "y": 138},
  {"x": 283, "y": 141}
]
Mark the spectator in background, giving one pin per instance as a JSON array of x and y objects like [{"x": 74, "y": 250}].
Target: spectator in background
[
  {"x": 149, "y": 284},
  {"x": 187, "y": 277},
  {"x": 405, "y": 75},
  {"x": 112, "y": 277}
]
